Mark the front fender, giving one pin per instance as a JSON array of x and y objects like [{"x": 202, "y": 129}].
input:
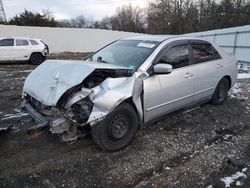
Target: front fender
[
  {"x": 109, "y": 94},
  {"x": 112, "y": 92}
]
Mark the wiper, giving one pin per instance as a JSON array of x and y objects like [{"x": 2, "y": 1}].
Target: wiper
[{"x": 99, "y": 59}]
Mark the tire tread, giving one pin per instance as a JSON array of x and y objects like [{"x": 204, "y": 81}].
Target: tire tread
[{"x": 97, "y": 130}]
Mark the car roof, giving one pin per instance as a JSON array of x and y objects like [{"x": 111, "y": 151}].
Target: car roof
[
  {"x": 161, "y": 38},
  {"x": 156, "y": 38},
  {"x": 22, "y": 38}
]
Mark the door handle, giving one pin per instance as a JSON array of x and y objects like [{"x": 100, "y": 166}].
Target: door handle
[
  {"x": 219, "y": 66},
  {"x": 188, "y": 75}
]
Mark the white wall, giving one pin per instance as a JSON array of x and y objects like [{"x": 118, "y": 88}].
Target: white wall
[{"x": 66, "y": 39}]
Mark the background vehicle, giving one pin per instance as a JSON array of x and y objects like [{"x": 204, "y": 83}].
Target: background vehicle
[
  {"x": 23, "y": 49},
  {"x": 128, "y": 82}
]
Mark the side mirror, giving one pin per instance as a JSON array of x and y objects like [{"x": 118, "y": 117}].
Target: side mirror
[{"x": 163, "y": 68}]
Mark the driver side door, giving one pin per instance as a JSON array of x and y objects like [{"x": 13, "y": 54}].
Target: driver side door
[
  {"x": 6, "y": 49},
  {"x": 165, "y": 93}
]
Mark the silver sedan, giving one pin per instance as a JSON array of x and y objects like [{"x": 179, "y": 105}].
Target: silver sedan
[{"x": 125, "y": 84}]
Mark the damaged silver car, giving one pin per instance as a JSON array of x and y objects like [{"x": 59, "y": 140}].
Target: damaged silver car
[{"x": 125, "y": 84}]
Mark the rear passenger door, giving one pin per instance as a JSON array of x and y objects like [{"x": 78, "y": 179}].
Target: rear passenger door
[
  {"x": 208, "y": 69},
  {"x": 21, "y": 49}
]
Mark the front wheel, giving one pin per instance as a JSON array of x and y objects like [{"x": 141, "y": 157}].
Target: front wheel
[
  {"x": 220, "y": 93},
  {"x": 117, "y": 130}
]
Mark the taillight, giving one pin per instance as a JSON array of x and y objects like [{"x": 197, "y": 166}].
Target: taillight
[{"x": 45, "y": 46}]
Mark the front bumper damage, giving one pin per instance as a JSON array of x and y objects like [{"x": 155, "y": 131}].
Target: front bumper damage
[
  {"x": 42, "y": 121},
  {"x": 95, "y": 104},
  {"x": 56, "y": 125}
]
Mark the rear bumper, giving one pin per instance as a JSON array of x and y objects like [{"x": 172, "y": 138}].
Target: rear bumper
[{"x": 45, "y": 52}]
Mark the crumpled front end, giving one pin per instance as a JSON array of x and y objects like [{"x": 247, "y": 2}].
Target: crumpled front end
[
  {"x": 86, "y": 103},
  {"x": 94, "y": 104},
  {"x": 46, "y": 117}
]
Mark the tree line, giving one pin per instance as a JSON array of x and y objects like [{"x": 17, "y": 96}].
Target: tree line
[{"x": 160, "y": 17}]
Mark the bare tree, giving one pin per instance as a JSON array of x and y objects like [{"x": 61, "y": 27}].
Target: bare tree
[
  {"x": 161, "y": 17},
  {"x": 181, "y": 16},
  {"x": 64, "y": 23},
  {"x": 105, "y": 23},
  {"x": 78, "y": 22},
  {"x": 128, "y": 18}
]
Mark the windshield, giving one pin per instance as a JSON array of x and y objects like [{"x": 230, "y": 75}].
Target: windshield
[{"x": 127, "y": 53}]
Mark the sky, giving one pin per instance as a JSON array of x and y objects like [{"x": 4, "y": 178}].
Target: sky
[{"x": 63, "y": 9}]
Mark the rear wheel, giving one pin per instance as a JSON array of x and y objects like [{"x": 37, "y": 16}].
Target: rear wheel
[
  {"x": 36, "y": 58},
  {"x": 220, "y": 93},
  {"x": 117, "y": 130}
]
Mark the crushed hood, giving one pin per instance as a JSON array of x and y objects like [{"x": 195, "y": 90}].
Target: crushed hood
[{"x": 50, "y": 80}]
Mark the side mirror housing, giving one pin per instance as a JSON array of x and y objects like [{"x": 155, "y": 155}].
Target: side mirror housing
[{"x": 163, "y": 68}]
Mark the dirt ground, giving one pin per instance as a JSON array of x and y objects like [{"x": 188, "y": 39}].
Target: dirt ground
[
  {"x": 195, "y": 148},
  {"x": 69, "y": 55}
]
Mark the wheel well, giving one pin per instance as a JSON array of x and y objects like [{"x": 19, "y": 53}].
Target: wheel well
[
  {"x": 36, "y": 53},
  {"x": 229, "y": 80},
  {"x": 130, "y": 101}
]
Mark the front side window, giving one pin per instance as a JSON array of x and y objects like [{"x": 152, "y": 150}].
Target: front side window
[
  {"x": 204, "y": 52},
  {"x": 7, "y": 42},
  {"x": 177, "y": 56},
  {"x": 20, "y": 42},
  {"x": 127, "y": 53}
]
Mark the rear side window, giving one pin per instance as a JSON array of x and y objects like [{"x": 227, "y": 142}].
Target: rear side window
[
  {"x": 33, "y": 42},
  {"x": 204, "y": 52},
  {"x": 177, "y": 56},
  {"x": 20, "y": 42},
  {"x": 7, "y": 42}
]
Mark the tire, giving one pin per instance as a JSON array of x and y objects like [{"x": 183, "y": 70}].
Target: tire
[
  {"x": 36, "y": 58},
  {"x": 117, "y": 130},
  {"x": 220, "y": 93}
]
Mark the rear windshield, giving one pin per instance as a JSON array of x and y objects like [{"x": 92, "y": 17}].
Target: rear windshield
[{"x": 128, "y": 53}]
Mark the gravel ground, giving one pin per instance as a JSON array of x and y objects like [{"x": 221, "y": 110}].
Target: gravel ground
[
  {"x": 195, "y": 148},
  {"x": 69, "y": 55}
]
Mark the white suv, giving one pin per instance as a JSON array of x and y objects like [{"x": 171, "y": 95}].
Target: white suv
[{"x": 23, "y": 49}]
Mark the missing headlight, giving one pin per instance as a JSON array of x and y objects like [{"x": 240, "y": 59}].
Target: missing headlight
[{"x": 80, "y": 111}]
